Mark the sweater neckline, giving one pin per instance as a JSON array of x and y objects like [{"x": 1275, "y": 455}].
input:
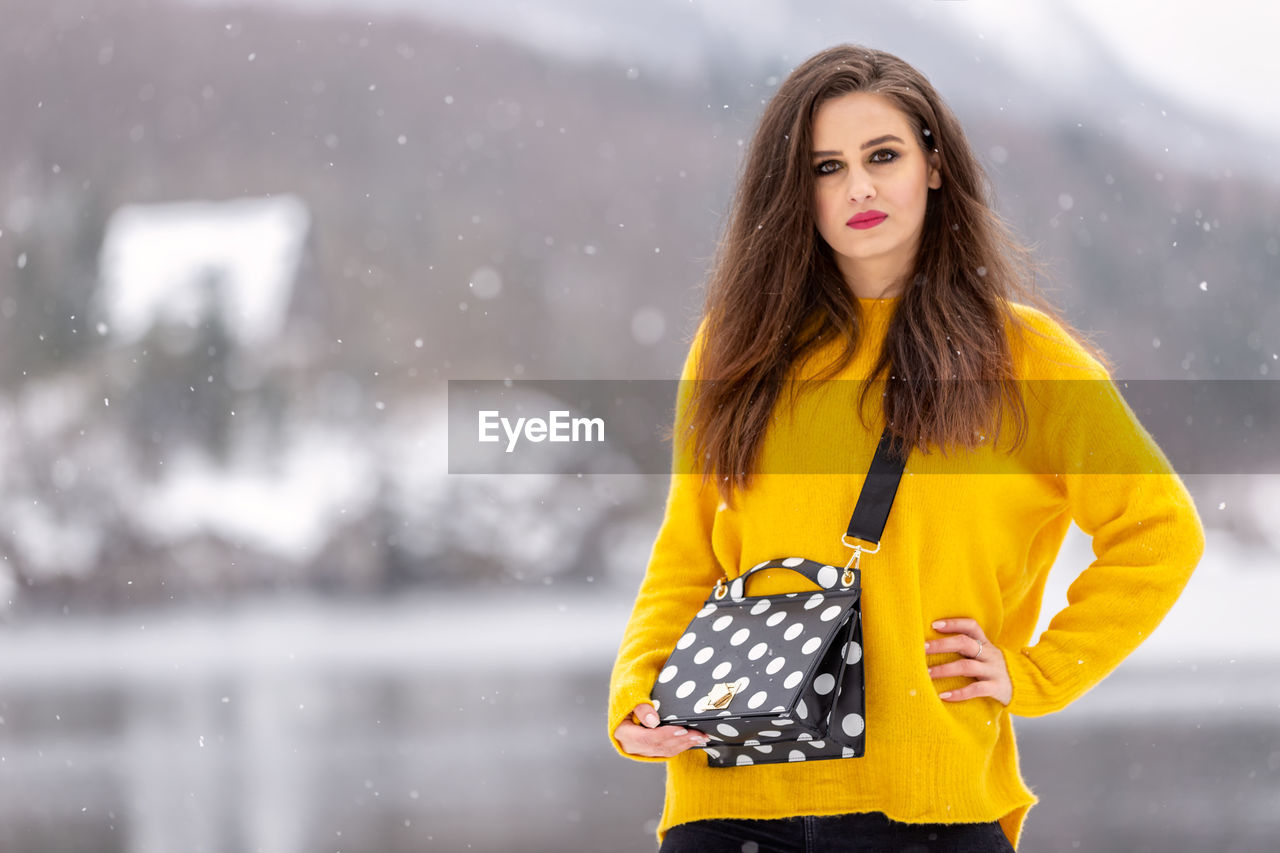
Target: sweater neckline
[{"x": 878, "y": 309}]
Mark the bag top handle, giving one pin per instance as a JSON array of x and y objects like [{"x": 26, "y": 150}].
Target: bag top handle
[{"x": 824, "y": 576}]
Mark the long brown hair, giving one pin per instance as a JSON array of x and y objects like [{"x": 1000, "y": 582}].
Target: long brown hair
[{"x": 775, "y": 291}]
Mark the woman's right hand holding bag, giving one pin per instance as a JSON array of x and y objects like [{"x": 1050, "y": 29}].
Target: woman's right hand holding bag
[{"x": 642, "y": 735}]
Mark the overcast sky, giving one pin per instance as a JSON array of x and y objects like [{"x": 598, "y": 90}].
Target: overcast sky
[{"x": 1221, "y": 55}]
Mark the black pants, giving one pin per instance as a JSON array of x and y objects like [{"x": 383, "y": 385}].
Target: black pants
[{"x": 848, "y": 833}]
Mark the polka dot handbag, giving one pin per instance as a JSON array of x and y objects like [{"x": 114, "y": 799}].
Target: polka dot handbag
[
  {"x": 779, "y": 678},
  {"x": 778, "y": 675}
]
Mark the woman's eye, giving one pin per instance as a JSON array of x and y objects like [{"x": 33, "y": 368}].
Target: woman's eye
[{"x": 827, "y": 167}]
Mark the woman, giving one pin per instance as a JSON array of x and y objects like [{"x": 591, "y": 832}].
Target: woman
[{"x": 861, "y": 247}]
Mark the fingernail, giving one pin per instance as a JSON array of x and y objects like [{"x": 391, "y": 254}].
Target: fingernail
[
  {"x": 945, "y": 694},
  {"x": 940, "y": 623},
  {"x": 651, "y": 719},
  {"x": 926, "y": 648}
]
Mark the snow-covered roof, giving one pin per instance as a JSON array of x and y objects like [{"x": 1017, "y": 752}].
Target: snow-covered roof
[{"x": 168, "y": 261}]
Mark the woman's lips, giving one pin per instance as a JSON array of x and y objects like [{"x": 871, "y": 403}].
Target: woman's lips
[{"x": 866, "y": 220}]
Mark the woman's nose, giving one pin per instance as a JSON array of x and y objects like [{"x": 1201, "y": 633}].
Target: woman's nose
[{"x": 860, "y": 187}]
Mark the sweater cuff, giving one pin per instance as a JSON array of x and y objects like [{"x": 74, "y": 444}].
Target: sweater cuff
[{"x": 1039, "y": 689}]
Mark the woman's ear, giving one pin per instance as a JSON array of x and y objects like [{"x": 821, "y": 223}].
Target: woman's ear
[{"x": 935, "y": 171}]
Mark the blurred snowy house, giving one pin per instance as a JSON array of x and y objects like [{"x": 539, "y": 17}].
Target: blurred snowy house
[{"x": 180, "y": 263}]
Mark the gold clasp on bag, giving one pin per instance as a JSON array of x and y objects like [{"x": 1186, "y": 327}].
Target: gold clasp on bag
[
  {"x": 720, "y": 696},
  {"x": 720, "y": 589}
]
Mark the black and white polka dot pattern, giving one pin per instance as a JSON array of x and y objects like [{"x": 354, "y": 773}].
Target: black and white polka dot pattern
[
  {"x": 845, "y": 723},
  {"x": 795, "y": 661}
]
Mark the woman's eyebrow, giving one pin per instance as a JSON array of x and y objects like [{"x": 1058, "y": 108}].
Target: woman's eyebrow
[{"x": 879, "y": 139}]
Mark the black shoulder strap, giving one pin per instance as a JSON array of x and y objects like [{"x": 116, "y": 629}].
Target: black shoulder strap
[{"x": 876, "y": 498}]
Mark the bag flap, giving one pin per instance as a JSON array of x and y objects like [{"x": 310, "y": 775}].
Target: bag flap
[{"x": 749, "y": 658}]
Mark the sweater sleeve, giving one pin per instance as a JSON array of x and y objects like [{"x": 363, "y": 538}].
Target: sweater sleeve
[
  {"x": 1147, "y": 538},
  {"x": 681, "y": 572}
]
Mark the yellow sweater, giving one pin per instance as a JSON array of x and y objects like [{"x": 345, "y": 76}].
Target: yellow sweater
[{"x": 973, "y": 535}]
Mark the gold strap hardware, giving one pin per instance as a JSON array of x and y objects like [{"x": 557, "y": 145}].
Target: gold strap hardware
[{"x": 858, "y": 551}]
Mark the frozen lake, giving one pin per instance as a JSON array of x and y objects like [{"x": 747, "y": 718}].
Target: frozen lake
[{"x": 444, "y": 724}]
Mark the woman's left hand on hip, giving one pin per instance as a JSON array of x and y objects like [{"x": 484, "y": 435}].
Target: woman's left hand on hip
[{"x": 980, "y": 660}]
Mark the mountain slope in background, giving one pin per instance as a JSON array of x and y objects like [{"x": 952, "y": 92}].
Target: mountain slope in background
[{"x": 481, "y": 208}]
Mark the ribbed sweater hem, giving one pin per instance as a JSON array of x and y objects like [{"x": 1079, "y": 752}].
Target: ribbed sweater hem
[{"x": 935, "y": 787}]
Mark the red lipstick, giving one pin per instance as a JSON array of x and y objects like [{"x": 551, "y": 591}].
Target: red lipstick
[{"x": 870, "y": 219}]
